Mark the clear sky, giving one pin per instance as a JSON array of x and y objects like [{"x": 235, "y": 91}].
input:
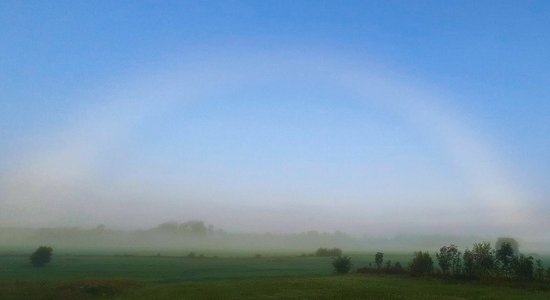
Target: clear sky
[{"x": 371, "y": 117}]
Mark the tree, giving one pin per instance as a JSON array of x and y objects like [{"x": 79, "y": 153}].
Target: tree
[
  {"x": 484, "y": 259},
  {"x": 468, "y": 259},
  {"x": 193, "y": 228},
  {"x": 168, "y": 227},
  {"x": 321, "y": 252},
  {"x": 539, "y": 270},
  {"x": 510, "y": 241},
  {"x": 335, "y": 252},
  {"x": 421, "y": 264},
  {"x": 505, "y": 256},
  {"x": 523, "y": 267},
  {"x": 379, "y": 259},
  {"x": 342, "y": 264},
  {"x": 41, "y": 256},
  {"x": 448, "y": 259}
]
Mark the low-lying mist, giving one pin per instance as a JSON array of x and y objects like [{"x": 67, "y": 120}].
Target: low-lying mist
[{"x": 179, "y": 239}]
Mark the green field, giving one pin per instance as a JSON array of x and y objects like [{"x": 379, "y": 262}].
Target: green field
[
  {"x": 278, "y": 277},
  {"x": 327, "y": 287},
  {"x": 174, "y": 269}
]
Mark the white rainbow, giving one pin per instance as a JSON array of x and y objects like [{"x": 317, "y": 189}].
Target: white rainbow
[{"x": 73, "y": 155}]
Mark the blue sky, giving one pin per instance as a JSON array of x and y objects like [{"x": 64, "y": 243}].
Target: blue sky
[{"x": 281, "y": 117}]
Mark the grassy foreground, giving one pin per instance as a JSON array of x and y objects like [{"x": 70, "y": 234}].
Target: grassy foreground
[
  {"x": 115, "y": 277},
  {"x": 328, "y": 287}
]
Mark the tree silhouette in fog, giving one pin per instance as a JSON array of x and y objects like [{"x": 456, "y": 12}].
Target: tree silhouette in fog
[{"x": 41, "y": 256}]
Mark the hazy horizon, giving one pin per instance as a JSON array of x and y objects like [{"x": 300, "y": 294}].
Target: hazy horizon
[{"x": 133, "y": 114}]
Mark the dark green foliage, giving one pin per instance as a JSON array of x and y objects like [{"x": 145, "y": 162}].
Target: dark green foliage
[
  {"x": 505, "y": 256},
  {"x": 328, "y": 252},
  {"x": 523, "y": 267},
  {"x": 449, "y": 260},
  {"x": 539, "y": 270},
  {"x": 422, "y": 264},
  {"x": 468, "y": 259},
  {"x": 342, "y": 264},
  {"x": 388, "y": 269},
  {"x": 483, "y": 258},
  {"x": 379, "y": 259},
  {"x": 41, "y": 256}
]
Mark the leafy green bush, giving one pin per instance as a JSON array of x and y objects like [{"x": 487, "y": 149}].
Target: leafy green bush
[{"x": 342, "y": 264}]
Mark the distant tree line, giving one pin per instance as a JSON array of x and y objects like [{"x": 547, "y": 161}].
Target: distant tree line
[
  {"x": 198, "y": 228},
  {"x": 334, "y": 252}
]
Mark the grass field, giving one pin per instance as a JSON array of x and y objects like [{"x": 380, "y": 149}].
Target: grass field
[
  {"x": 173, "y": 269},
  {"x": 327, "y": 287},
  {"x": 284, "y": 277}
]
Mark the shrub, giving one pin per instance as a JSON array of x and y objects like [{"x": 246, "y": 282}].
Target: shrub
[
  {"x": 389, "y": 269},
  {"x": 421, "y": 264},
  {"x": 395, "y": 269},
  {"x": 342, "y": 264},
  {"x": 41, "y": 256}
]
